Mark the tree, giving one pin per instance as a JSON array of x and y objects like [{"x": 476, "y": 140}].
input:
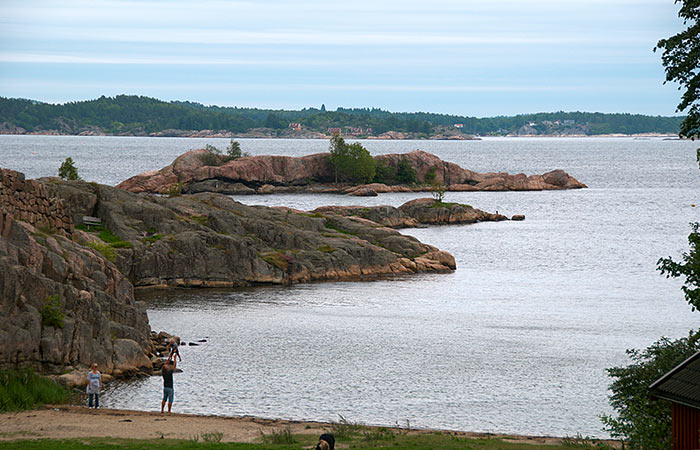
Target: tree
[
  {"x": 68, "y": 171},
  {"x": 234, "y": 150},
  {"x": 689, "y": 268},
  {"x": 643, "y": 423},
  {"x": 351, "y": 162},
  {"x": 405, "y": 173},
  {"x": 681, "y": 59}
]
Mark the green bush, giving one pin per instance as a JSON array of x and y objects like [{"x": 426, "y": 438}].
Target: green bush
[
  {"x": 175, "y": 190},
  {"x": 23, "y": 389},
  {"x": 105, "y": 250},
  {"x": 68, "y": 171},
  {"x": 405, "y": 174},
  {"x": 351, "y": 162},
  {"x": 211, "y": 159},
  {"x": 641, "y": 422},
  {"x": 384, "y": 173},
  {"x": 52, "y": 312}
]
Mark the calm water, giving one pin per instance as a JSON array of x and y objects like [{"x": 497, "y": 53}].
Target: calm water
[{"x": 516, "y": 340}]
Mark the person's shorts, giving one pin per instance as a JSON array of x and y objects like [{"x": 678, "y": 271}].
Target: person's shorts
[{"x": 168, "y": 394}]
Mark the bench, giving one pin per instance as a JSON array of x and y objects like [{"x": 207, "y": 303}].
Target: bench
[{"x": 94, "y": 221}]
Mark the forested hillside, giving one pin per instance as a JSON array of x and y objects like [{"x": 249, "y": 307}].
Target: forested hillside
[{"x": 135, "y": 115}]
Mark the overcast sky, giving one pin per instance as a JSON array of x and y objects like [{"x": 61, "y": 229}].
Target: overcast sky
[{"x": 467, "y": 57}]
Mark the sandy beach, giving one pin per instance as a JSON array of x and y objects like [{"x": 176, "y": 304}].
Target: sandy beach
[{"x": 66, "y": 422}]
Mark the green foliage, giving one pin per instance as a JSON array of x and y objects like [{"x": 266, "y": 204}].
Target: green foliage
[
  {"x": 325, "y": 249},
  {"x": 689, "y": 268},
  {"x": 52, "y": 312},
  {"x": 641, "y": 422},
  {"x": 278, "y": 259},
  {"x": 214, "y": 436},
  {"x": 281, "y": 437},
  {"x": 105, "y": 250},
  {"x": 681, "y": 58},
  {"x": 23, "y": 389},
  {"x": 384, "y": 173},
  {"x": 351, "y": 162},
  {"x": 344, "y": 428},
  {"x": 584, "y": 442},
  {"x": 113, "y": 240},
  {"x": 405, "y": 174},
  {"x": 68, "y": 171},
  {"x": 233, "y": 151},
  {"x": 202, "y": 220},
  {"x": 430, "y": 176},
  {"x": 175, "y": 190}
]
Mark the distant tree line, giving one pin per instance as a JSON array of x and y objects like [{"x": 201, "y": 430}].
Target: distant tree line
[{"x": 126, "y": 114}]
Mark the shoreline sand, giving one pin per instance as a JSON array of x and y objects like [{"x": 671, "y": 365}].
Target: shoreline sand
[{"x": 69, "y": 422}]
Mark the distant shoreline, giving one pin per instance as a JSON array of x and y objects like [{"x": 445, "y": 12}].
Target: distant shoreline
[{"x": 369, "y": 138}]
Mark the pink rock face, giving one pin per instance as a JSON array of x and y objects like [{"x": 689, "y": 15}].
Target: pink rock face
[{"x": 310, "y": 170}]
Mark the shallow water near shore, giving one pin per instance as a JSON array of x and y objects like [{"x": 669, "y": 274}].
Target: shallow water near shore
[{"x": 516, "y": 340}]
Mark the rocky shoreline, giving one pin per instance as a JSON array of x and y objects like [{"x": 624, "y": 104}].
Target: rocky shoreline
[{"x": 67, "y": 288}]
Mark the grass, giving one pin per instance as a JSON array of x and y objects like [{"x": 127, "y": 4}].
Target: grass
[
  {"x": 277, "y": 259},
  {"x": 284, "y": 436},
  {"x": 22, "y": 389},
  {"x": 333, "y": 227},
  {"x": 325, "y": 249},
  {"x": 431, "y": 441},
  {"x": 113, "y": 240},
  {"x": 202, "y": 220},
  {"x": 105, "y": 250}
]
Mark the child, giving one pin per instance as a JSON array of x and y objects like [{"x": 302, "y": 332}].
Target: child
[{"x": 174, "y": 351}]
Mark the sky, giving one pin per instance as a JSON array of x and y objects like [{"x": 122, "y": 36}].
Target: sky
[{"x": 466, "y": 57}]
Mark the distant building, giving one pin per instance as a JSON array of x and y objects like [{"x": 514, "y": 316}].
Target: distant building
[
  {"x": 352, "y": 131},
  {"x": 368, "y": 131},
  {"x": 568, "y": 122},
  {"x": 681, "y": 387},
  {"x": 333, "y": 131},
  {"x": 459, "y": 125},
  {"x": 296, "y": 126}
]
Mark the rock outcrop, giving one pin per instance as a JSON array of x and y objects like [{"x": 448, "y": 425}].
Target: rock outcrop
[
  {"x": 422, "y": 211},
  {"x": 210, "y": 240},
  {"x": 64, "y": 305},
  {"x": 313, "y": 173}
]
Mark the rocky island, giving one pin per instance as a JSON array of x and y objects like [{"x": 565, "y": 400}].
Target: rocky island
[{"x": 192, "y": 173}]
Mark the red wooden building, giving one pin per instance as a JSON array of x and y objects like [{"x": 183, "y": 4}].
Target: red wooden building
[{"x": 681, "y": 386}]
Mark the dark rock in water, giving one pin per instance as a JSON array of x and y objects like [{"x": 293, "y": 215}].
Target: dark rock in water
[
  {"x": 518, "y": 217},
  {"x": 202, "y": 340},
  {"x": 422, "y": 211},
  {"x": 364, "y": 192},
  {"x": 192, "y": 344}
]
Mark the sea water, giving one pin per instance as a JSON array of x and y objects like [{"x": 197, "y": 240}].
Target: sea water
[{"x": 516, "y": 340}]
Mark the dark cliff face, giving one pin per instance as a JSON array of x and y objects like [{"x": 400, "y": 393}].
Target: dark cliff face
[{"x": 65, "y": 306}]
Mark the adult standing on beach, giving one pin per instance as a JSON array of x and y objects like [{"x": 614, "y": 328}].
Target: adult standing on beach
[
  {"x": 94, "y": 379},
  {"x": 168, "y": 392}
]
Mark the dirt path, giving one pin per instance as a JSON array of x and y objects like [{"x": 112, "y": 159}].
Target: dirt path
[{"x": 67, "y": 422}]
